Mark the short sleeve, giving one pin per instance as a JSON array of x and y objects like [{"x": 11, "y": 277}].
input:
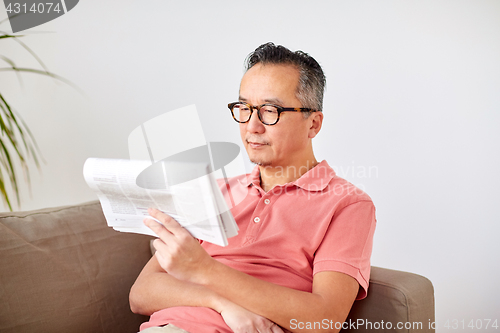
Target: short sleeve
[{"x": 347, "y": 245}]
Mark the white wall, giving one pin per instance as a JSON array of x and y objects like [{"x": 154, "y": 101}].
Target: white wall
[{"x": 412, "y": 110}]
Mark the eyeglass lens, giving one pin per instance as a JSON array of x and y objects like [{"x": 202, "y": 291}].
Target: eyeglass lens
[{"x": 268, "y": 113}]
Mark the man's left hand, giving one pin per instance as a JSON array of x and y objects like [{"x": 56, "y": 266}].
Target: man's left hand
[{"x": 177, "y": 252}]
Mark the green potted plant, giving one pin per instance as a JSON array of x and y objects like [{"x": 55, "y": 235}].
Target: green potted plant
[{"x": 17, "y": 144}]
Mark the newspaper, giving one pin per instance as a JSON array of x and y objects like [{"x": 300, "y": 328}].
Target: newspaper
[{"x": 127, "y": 188}]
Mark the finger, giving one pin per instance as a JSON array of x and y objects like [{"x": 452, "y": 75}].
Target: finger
[
  {"x": 159, "y": 229},
  {"x": 160, "y": 246},
  {"x": 168, "y": 222},
  {"x": 162, "y": 261},
  {"x": 272, "y": 328},
  {"x": 276, "y": 329},
  {"x": 159, "y": 256}
]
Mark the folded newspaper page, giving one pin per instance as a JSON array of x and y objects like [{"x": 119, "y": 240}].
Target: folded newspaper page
[{"x": 127, "y": 188}]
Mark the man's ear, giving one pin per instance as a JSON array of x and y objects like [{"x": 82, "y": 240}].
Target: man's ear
[{"x": 315, "y": 122}]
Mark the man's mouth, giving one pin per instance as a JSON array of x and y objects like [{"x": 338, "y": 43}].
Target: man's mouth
[{"x": 256, "y": 144}]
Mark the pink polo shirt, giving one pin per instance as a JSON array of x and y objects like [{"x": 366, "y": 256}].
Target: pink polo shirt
[{"x": 320, "y": 222}]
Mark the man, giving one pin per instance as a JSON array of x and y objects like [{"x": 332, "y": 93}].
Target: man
[{"x": 302, "y": 255}]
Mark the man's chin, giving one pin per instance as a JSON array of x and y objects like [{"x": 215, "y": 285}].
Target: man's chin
[{"x": 263, "y": 163}]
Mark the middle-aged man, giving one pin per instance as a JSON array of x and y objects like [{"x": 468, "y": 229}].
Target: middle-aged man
[{"x": 302, "y": 255}]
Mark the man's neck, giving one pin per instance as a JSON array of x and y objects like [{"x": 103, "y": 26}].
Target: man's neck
[{"x": 271, "y": 176}]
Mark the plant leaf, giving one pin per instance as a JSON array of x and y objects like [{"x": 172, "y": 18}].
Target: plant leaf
[
  {"x": 16, "y": 39},
  {"x": 9, "y": 131},
  {"x": 37, "y": 71},
  {"x": 9, "y": 61},
  {"x": 5, "y": 196},
  {"x": 11, "y": 172},
  {"x": 8, "y": 36},
  {"x": 12, "y": 65}
]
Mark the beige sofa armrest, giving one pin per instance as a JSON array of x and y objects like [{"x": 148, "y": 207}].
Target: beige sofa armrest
[{"x": 404, "y": 301}]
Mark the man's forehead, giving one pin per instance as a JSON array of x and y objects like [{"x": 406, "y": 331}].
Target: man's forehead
[
  {"x": 268, "y": 82},
  {"x": 271, "y": 67},
  {"x": 270, "y": 100}
]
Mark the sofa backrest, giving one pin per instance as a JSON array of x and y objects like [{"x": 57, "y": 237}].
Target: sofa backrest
[{"x": 64, "y": 270}]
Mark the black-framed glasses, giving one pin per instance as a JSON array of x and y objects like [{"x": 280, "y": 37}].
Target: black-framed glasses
[{"x": 268, "y": 114}]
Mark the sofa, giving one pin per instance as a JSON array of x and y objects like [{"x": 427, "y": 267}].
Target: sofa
[{"x": 64, "y": 270}]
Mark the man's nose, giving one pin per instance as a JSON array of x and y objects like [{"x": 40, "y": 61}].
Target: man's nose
[{"x": 254, "y": 125}]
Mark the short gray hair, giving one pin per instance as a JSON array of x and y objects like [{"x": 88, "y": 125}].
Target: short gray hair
[{"x": 312, "y": 80}]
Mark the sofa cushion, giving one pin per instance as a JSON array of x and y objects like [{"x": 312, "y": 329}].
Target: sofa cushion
[{"x": 64, "y": 270}]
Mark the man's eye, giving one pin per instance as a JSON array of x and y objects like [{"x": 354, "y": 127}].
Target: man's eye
[{"x": 270, "y": 109}]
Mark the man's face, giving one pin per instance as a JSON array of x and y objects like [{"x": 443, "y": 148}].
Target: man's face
[{"x": 287, "y": 143}]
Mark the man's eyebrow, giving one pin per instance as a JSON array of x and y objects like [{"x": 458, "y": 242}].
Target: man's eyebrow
[{"x": 276, "y": 101}]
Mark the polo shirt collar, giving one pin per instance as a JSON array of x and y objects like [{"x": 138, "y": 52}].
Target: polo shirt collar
[
  {"x": 315, "y": 179},
  {"x": 254, "y": 177}
]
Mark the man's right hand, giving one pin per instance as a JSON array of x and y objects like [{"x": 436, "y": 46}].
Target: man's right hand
[{"x": 241, "y": 320}]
